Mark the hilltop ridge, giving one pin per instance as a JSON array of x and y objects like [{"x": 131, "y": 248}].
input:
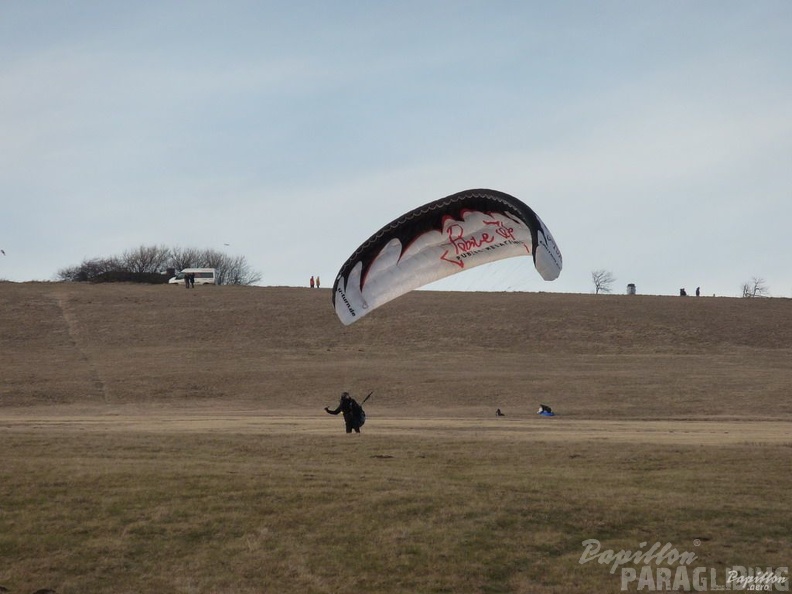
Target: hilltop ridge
[{"x": 461, "y": 353}]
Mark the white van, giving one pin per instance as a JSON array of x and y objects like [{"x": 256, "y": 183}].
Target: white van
[{"x": 203, "y": 276}]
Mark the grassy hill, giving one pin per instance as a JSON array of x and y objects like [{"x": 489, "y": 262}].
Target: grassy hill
[
  {"x": 157, "y": 439},
  {"x": 283, "y": 348}
]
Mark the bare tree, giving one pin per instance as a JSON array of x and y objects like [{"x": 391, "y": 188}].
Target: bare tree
[
  {"x": 756, "y": 288},
  {"x": 236, "y": 271},
  {"x": 215, "y": 259},
  {"x": 181, "y": 258},
  {"x": 231, "y": 270},
  {"x": 146, "y": 258},
  {"x": 88, "y": 270},
  {"x": 603, "y": 280},
  {"x": 148, "y": 263}
]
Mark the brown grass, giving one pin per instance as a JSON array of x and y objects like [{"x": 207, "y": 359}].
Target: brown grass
[{"x": 162, "y": 440}]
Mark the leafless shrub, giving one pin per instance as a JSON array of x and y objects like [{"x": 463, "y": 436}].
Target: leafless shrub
[
  {"x": 756, "y": 288},
  {"x": 603, "y": 281}
]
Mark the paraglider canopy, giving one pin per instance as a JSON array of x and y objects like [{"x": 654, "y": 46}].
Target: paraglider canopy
[{"x": 436, "y": 240}]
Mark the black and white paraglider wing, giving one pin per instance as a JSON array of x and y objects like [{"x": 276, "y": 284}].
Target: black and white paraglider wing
[{"x": 439, "y": 239}]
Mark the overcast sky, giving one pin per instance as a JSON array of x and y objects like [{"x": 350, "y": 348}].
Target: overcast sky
[{"x": 654, "y": 138}]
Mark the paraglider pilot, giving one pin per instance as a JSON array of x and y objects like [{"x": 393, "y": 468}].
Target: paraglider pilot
[{"x": 354, "y": 417}]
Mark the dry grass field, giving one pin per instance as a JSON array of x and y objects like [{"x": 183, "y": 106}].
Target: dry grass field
[{"x": 155, "y": 439}]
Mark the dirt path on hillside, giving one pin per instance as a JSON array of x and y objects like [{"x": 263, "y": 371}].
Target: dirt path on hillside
[{"x": 61, "y": 298}]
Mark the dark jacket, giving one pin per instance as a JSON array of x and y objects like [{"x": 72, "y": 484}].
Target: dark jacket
[{"x": 354, "y": 417}]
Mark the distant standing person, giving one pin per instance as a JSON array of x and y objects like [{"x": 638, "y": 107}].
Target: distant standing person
[
  {"x": 192, "y": 280},
  {"x": 354, "y": 417},
  {"x": 698, "y": 291},
  {"x": 317, "y": 281},
  {"x": 311, "y": 282}
]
